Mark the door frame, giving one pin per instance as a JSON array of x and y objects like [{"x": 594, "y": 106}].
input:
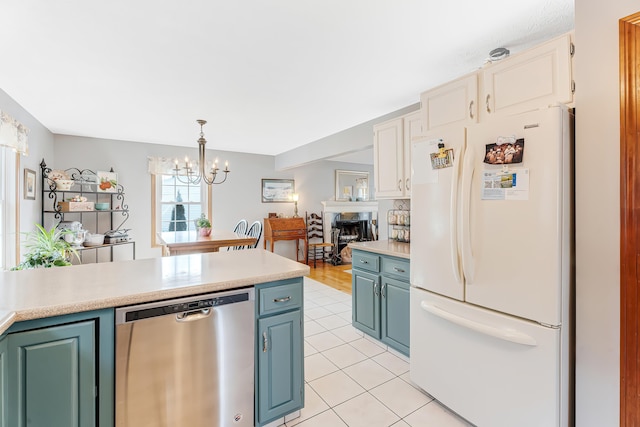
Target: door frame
[{"x": 629, "y": 39}]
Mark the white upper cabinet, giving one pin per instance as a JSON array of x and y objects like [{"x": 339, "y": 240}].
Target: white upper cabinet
[
  {"x": 413, "y": 129},
  {"x": 392, "y": 155},
  {"x": 451, "y": 103},
  {"x": 531, "y": 79},
  {"x": 388, "y": 159}
]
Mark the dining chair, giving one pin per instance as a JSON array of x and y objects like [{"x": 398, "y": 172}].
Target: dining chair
[
  {"x": 254, "y": 231},
  {"x": 240, "y": 228}
]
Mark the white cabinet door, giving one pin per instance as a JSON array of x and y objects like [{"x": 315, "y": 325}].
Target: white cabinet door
[
  {"x": 412, "y": 132},
  {"x": 455, "y": 102},
  {"x": 388, "y": 159},
  {"x": 532, "y": 79}
]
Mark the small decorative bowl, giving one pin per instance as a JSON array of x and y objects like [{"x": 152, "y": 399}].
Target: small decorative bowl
[
  {"x": 94, "y": 239},
  {"x": 63, "y": 184},
  {"x": 102, "y": 206}
]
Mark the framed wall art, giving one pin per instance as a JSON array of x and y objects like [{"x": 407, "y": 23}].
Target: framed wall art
[
  {"x": 29, "y": 184},
  {"x": 277, "y": 190},
  {"x": 107, "y": 181}
]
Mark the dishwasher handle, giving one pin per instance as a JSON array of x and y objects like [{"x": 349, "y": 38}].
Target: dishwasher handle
[{"x": 192, "y": 316}]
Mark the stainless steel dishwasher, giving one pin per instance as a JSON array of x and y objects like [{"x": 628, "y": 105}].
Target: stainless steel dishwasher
[{"x": 188, "y": 361}]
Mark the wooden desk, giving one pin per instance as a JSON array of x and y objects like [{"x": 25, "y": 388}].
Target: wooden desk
[
  {"x": 285, "y": 229},
  {"x": 189, "y": 242}
]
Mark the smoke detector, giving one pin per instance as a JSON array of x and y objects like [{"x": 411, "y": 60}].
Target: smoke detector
[{"x": 498, "y": 54}]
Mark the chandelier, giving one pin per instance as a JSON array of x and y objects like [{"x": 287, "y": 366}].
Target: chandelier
[{"x": 204, "y": 174}]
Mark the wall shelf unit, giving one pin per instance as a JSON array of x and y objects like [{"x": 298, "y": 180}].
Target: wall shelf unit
[{"x": 109, "y": 221}]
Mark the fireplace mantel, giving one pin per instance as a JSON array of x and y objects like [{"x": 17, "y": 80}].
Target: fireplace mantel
[{"x": 333, "y": 206}]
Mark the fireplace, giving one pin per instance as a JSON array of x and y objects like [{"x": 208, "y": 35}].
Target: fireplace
[
  {"x": 346, "y": 222},
  {"x": 351, "y": 227}
]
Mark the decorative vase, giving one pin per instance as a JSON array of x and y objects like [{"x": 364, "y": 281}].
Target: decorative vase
[{"x": 205, "y": 231}]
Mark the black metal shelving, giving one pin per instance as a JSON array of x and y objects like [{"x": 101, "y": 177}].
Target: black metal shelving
[{"x": 84, "y": 185}]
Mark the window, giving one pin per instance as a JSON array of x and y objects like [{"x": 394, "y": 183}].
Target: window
[
  {"x": 179, "y": 204},
  {"x": 8, "y": 208},
  {"x": 13, "y": 142}
]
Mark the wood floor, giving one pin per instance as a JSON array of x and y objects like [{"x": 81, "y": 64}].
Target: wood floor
[{"x": 332, "y": 275}]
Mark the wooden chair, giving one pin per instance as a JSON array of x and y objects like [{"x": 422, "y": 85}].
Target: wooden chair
[{"x": 316, "y": 249}]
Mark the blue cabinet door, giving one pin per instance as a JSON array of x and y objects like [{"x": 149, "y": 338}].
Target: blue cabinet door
[
  {"x": 4, "y": 372},
  {"x": 395, "y": 314},
  {"x": 53, "y": 376},
  {"x": 280, "y": 358},
  {"x": 366, "y": 302}
]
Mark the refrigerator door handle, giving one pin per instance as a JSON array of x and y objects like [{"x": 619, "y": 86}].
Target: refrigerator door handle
[
  {"x": 511, "y": 335},
  {"x": 468, "y": 263},
  {"x": 453, "y": 224}
]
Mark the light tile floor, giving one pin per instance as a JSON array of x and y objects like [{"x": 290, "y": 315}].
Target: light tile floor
[{"x": 353, "y": 380}]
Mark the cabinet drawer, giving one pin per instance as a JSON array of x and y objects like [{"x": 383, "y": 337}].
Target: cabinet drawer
[
  {"x": 279, "y": 298},
  {"x": 290, "y": 234},
  {"x": 395, "y": 267},
  {"x": 366, "y": 261}
]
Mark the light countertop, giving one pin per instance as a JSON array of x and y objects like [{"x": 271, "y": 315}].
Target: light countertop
[
  {"x": 384, "y": 247},
  {"x": 38, "y": 293}
]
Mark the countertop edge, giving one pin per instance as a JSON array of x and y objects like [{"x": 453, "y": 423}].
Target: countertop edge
[
  {"x": 7, "y": 318},
  {"x": 384, "y": 247}
]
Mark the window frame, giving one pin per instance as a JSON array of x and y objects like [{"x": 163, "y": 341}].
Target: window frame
[{"x": 156, "y": 206}]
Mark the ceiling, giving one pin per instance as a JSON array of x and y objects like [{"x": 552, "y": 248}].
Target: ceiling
[{"x": 268, "y": 75}]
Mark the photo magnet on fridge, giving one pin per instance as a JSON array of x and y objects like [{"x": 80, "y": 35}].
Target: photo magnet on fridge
[
  {"x": 443, "y": 158},
  {"x": 506, "y": 150}
]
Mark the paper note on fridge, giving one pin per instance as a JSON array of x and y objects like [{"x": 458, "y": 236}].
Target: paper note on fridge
[{"x": 510, "y": 185}]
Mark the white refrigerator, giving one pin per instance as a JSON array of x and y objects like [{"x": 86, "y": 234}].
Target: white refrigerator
[{"x": 492, "y": 269}]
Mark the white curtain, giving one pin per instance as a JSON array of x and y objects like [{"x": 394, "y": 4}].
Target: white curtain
[
  {"x": 163, "y": 166},
  {"x": 13, "y": 134},
  {"x": 8, "y": 208}
]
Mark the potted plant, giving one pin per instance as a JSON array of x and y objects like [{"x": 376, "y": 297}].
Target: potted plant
[
  {"x": 46, "y": 249},
  {"x": 203, "y": 225}
]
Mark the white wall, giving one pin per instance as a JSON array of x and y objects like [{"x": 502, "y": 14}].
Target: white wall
[
  {"x": 40, "y": 145},
  {"x": 597, "y": 210},
  {"x": 239, "y": 197},
  {"x": 354, "y": 139}
]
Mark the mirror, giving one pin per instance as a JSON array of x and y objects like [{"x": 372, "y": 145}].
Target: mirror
[{"x": 352, "y": 186}]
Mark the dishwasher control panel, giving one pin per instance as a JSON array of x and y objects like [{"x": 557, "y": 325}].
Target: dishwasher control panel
[{"x": 142, "y": 312}]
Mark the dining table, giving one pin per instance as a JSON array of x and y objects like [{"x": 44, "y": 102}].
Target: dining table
[{"x": 191, "y": 242}]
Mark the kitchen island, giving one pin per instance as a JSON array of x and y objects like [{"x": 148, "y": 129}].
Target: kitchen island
[
  {"x": 57, "y": 329},
  {"x": 38, "y": 293}
]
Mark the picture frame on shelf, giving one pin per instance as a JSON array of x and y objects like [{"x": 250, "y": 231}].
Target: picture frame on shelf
[
  {"x": 277, "y": 190},
  {"x": 88, "y": 180},
  {"x": 29, "y": 184},
  {"x": 107, "y": 182}
]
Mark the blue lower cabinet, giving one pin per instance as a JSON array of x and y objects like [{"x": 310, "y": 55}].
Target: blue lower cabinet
[
  {"x": 279, "y": 361},
  {"x": 279, "y": 350},
  {"x": 395, "y": 314},
  {"x": 61, "y": 374},
  {"x": 4, "y": 373},
  {"x": 366, "y": 302},
  {"x": 380, "y": 298},
  {"x": 54, "y": 376}
]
